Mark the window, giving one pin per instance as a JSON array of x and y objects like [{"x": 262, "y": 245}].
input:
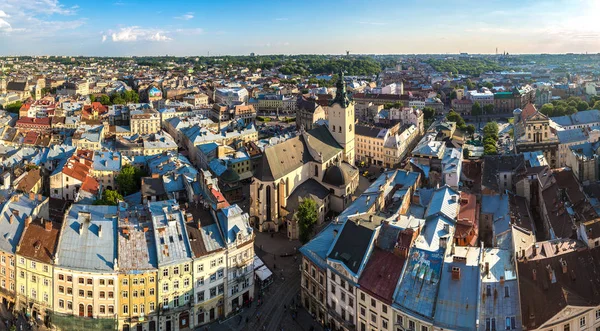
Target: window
[
  {"x": 200, "y": 296},
  {"x": 350, "y": 302},
  {"x": 176, "y": 285},
  {"x": 61, "y": 289},
  {"x": 102, "y": 309},
  {"x": 33, "y": 265},
  {"x": 61, "y": 277},
  {"x": 135, "y": 309},
  {"x": 175, "y": 270},
  {"x": 21, "y": 261},
  {"x": 151, "y": 305},
  {"x": 213, "y": 263},
  {"x": 45, "y": 268},
  {"x": 46, "y": 282},
  {"x": 61, "y": 303},
  {"x": 90, "y": 281},
  {"x": 134, "y": 294},
  {"x": 384, "y": 309},
  {"x": 142, "y": 281},
  {"x": 424, "y": 328},
  {"x": 213, "y": 277},
  {"x": 200, "y": 281},
  {"x": 81, "y": 293},
  {"x": 111, "y": 295},
  {"x": 69, "y": 278},
  {"x": 411, "y": 325},
  {"x": 567, "y": 327},
  {"x": 384, "y": 324},
  {"x": 166, "y": 287},
  {"x": 362, "y": 311},
  {"x": 151, "y": 291},
  {"x": 111, "y": 309},
  {"x": 125, "y": 294},
  {"x": 69, "y": 305},
  {"x": 125, "y": 309},
  {"x": 373, "y": 317},
  {"x": 135, "y": 281},
  {"x": 69, "y": 290},
  {"x": 200, "y": 267},
  {"x": 333, "y": 289},
  {"x": 220, "y": 260},
  {"x": 506, "y": 292},
  {"x": 81, "y": 281},
  {"x": 151, "y": 279},
  {"x": 142, "y": 308},
  {"x": 176, "y": 301},
  {"x": 186, "y": 282},
  {"x": 90, "y": 294},
  {"x": 598, "y": 314},
  {"x": 165, "y": 272},
  {"x": 582, "y": 321},
  {"x": 142, "y": 293},
  {"x": 373, "y": 303},
  {"x": 102, "y": 295},
  {"x": 213, "y": 292},
  {"x": 186, "y": 268},
  {"x": 102, "y": 282},
  {"x": 220, "y": 273},
  {"x": 186, "y": 297}
]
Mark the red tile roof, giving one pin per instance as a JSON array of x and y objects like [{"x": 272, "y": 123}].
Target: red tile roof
[
  {"x": 528, "y": 111},
  {"x": 381, "y": 274}
]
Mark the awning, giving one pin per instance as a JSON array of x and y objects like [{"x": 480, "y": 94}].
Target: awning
[
  {"x": 258, "y": 262},
  {"x": 263, "y": 273}
]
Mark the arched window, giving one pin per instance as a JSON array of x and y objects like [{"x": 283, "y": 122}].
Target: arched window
[
  {"x": 90, "y": 311},
  {"x": 340, "y": 129},
  {"x": 81, "y": 310},
  {"x": 333, "y": 129},
  {"x": 317, "y": 170}
]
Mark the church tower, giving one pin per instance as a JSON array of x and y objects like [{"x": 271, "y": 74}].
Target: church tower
[
  {"x": 341, "y": 120},
  {"x": 3, "y": 82}
]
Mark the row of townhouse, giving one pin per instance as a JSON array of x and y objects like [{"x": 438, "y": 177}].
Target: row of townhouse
[{"x": 145, "y": 267}]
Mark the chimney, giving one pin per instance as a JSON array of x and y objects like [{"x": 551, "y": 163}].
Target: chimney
[
  {"x": 31, "y": 196},
  {"x": 16, "y": 197},
  {"x": 28, "y": 220},
  {"x": 487, "y": 268},
  {"x": 371, "y": 218},
  {"x": 11, "y": 218},
  {"x": 47, "y": 224},
  {"x": 80, "y": 229},
  {"x": 39, "y": 197},
  {"x": 455, "y": 273},
  {"x": 99, "y": 230},
  {"x": 563, "y": 263}
]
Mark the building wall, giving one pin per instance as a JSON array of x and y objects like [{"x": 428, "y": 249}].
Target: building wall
[
  {"x": 343, "y": 122},
  {"x": 8, "y": 273},
  {"x": 139, "y": 306},
  {"x": 175, "y": 290},
  {"x": 209, "y": 291},
  {"x": 34, "y": 285},
  {"x": 95, "y": 292},
  {"x": 240, "y": 275},
  {"x": 373, "y": 314},
  {"x": 313, "y": 290}
]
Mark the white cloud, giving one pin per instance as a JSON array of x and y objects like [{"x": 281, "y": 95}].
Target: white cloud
[
  {"x": 3, "y": 14},
  {"x": 4, "y": 25},
  {"x": 103, "y": 38},
  {"x": 193, "y": 31},
  {"x": 35, "y": 7},
  {"x": 185, "y": 17},
  {"x": 135, "y": 33}
]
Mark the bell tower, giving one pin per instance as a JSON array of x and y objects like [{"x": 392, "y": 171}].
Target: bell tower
[{"x": 341, "y": 120}]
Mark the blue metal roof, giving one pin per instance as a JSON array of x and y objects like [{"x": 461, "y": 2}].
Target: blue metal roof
[
  {"x": 316, "y": 250},
  {"x": 107, "y": 161},
  {"x": 418, "y": 288},
  {"x": 456, "y": 306},
  {"x": 88, "y": 240},
  {"x": 11, "y": 232}
]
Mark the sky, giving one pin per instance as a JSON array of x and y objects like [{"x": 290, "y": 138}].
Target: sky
[{"x": 235, "y": 27}]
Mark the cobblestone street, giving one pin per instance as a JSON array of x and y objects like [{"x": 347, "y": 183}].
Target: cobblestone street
[{"x": 277, "y": 309}]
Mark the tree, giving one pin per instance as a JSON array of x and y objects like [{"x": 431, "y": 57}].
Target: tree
[
  {"x": 470, "y": 84},
  {"x": 129, "y": 179},
  {"x": 307, "y": 218},
  {"x": 490, "y": 129},
  {"x": 13, "y": 107},
  {"x": 455, "y": 117},
  {"x": 92, "y": 98},
  {"x": 105, "y": 100},
  {"x": 490, "y": 149},
  {"x": 109, "y": 198},
  {"x": 476, "y": 109},
  {"x": 428, "y": 113},
  {"x": 596, "y": 105},
  {"x": 488, "y": 85},
  {"x": 470, "y": 129},
  {"x": 453, "y": 95},
  {"x": 488, "y": 109}
]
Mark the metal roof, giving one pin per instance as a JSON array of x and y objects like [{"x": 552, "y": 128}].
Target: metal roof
[
  {"x": 88, "y": 239},
  {"x": 171, "y": 242}
]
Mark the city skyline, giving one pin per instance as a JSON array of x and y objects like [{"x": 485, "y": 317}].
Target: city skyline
[{"x": 185, "y": 28}]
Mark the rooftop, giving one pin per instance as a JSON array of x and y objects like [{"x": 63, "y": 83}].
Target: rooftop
[
  {"x": 171, "y": 242},
  {"x": 88, "y": 239},
  {"x": 136, "y": 237}
]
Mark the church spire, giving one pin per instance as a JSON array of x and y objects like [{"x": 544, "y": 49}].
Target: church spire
[{"x": 341, "y": 96}]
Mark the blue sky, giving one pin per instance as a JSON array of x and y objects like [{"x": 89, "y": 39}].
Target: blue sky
[{"x": 134, "y": 27}]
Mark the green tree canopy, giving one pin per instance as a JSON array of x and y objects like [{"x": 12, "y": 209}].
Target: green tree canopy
[
  {"x": 110, "y": 198},
  {"x": 488, "y": 109},
  {"x": 453, "y": 116},
  {"x": 476, "y": 109},
  {"x": 428, "y": 113},
  {"x": 13, "y": 107},
  {"x": 307, "y": 218},
  {"x": 129, "y": 179}
]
